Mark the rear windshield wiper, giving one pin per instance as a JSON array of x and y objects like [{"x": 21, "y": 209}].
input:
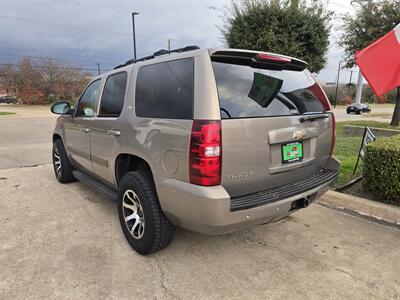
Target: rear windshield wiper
[
  {"x": 313, "y": 118},
  {"x": 226, "y": 112}
]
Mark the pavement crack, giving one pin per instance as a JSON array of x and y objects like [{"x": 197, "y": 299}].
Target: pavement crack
[
  {"x": 31, "y": 166},
  {"x": 167, "y": 292}
]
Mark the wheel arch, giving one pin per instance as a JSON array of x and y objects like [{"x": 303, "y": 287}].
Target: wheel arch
[
  {"x": 56, "y": 136},
  {"x": 127, "y": 162}
]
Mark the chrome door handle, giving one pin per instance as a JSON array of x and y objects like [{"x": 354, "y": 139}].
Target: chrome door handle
[{"x": 114, "y": 132}]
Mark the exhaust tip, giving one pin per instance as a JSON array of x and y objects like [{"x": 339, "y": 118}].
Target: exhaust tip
[{"x": 301, "y": 203}]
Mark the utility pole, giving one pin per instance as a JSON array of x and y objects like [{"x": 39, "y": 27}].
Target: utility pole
[
  {"x": 169, "y": 44},
  {"x": 134, "y": 34},
  {"x": 98, "y": 67},
  {"x": 351, "y": 76},
  {"x": 337, "y": 83},
  {"x": 359, "y": 87},
  {"x": 348, "y": 90}
]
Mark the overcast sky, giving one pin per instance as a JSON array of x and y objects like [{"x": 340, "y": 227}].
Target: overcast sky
[{"x": 86, "y": 32}]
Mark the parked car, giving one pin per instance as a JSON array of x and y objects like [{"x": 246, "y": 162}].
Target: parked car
[
  {"x": 358, "y": 108},
  {"x": 209, "y": 140},
  {"x": 8, "y": 99}
]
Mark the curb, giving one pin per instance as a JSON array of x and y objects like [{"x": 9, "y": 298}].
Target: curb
[{"x": 372, "y": 210}]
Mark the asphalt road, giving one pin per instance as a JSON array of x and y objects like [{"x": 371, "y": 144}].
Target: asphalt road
[
  {"x": 64, "y": 241},
  {"x": 25, "y": 138}
]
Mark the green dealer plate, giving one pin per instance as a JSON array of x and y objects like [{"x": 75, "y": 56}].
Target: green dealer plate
[{"x": 292, "y": 152}]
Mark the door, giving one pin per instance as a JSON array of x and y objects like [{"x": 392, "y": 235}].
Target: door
[
  {"x": 275, "y": 126},
  {"x": 77, "y": 129},
  {"x": 106, "y": 128}
]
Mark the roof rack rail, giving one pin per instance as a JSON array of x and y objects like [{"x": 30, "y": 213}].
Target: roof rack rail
[{"x": 158, "y": 53}]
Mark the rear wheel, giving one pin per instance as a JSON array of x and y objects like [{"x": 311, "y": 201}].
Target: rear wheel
[
  {"x": 62, "y": 166},
  {"x": 143, "y": 223}
]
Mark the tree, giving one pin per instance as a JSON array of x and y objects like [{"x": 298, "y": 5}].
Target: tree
[
  {"x": 372, "y": 20},
  {"x": 287, "y": 27},
  {"x": 44, "y": 80}
]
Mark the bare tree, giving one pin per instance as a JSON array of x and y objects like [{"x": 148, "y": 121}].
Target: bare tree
[{"x": 45, "y": 80}]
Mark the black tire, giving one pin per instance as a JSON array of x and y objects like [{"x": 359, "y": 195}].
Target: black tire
[
  {"x": 64, "y": 174},
  {"x": 158, "y": 232}
]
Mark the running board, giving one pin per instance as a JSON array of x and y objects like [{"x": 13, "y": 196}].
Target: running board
[{"x": 89, "y": 180}]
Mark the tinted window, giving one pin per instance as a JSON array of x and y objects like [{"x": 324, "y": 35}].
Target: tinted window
[
  {"x": 87, "y": 102},
  {"x": 248, "y": 92},
  {"x": 112, "y": 100},
  {"x": 165, "y": 90}
]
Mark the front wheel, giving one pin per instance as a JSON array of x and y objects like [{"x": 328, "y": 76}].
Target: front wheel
[
  {"x": 143, "y": 223},
  {"x": 62, "y": 166}
]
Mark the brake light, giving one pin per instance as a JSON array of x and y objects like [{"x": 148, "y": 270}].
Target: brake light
[
  {"x": 205, "y": 153},
  {"x": 320, "y": 94},
  {"x": 333, "y": 134},
  {"x": 273, "y": 57}
]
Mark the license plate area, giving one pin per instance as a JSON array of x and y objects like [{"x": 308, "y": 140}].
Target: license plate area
[{"x": 292, "y": 152}]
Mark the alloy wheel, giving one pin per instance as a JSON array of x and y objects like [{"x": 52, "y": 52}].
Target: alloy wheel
[
  {"x": 133, "y": 214},
  {"x": 57, "y": 161}
]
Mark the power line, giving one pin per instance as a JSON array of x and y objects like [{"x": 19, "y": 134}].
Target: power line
[
  {"x": 56, "y": 59},
  {"x": 44, "y": 67},
  {"x": 56, "y": 51},
  {"x": 65, "y": 25}
]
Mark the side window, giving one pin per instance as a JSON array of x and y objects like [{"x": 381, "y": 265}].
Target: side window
[
  {"x": 87, "y": 103},
  {"x": 165, "y": 90},
  {"x": 112, "y": 100}
]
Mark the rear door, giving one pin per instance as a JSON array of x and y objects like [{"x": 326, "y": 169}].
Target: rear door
[
  {"x": 106, "y": 130},
  {"x": 275, "y": 125}
]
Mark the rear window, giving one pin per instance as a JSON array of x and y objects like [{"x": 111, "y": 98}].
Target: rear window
[
  {"x": 165, "y": 90},
  {"x": 246, "y": 92}
]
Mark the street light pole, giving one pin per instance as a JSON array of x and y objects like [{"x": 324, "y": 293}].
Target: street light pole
[
  {"x": 337, "y": 83},
  {"x": 134, "y": 34}
]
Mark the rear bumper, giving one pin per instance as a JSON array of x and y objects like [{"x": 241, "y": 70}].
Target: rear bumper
[{"x": 208, "y": 209}]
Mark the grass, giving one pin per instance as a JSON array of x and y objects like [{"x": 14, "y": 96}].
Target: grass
[
  {"x": 6, "y": 113},
  {"x": 347, "y": 148}
]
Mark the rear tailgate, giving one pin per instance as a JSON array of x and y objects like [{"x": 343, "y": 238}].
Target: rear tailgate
[{"x": 275, "y": 127}]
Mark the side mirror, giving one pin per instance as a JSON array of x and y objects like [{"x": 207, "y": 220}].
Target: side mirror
[{"x": 61, "y": 108}]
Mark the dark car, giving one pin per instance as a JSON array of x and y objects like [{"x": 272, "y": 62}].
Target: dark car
[
  {"x": 8, "y": 99},
  {"x": 358, "y": 108}
]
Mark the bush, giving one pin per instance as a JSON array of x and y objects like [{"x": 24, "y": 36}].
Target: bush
[{"x": 382, "y": 169}]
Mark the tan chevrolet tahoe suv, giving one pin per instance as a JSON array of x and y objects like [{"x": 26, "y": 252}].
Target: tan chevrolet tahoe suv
[{"x": 208, "y": 140}]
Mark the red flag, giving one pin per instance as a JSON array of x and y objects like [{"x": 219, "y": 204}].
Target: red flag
[{"x": 380, "y": 62}]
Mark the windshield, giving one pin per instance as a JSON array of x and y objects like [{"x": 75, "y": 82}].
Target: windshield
[{"x": 246, "y": 92}]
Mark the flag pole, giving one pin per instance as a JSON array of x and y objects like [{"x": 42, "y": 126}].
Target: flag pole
[{"x": 359, "y": 87}]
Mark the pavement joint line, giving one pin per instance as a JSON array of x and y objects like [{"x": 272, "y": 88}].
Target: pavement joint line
[{"x": 360, "y": 215}]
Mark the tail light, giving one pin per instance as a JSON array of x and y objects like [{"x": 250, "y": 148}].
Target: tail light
[
  {"x": 205, "y": 153},
  {"x": 333, "y": 134},
  {"x": 320, "y": 94}
]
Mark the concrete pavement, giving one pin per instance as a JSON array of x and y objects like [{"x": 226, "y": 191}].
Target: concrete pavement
[{"x": 64, "y": 241}]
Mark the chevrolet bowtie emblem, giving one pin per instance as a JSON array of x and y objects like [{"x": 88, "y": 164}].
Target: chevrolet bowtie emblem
[{"x": 298, "y": 135}]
